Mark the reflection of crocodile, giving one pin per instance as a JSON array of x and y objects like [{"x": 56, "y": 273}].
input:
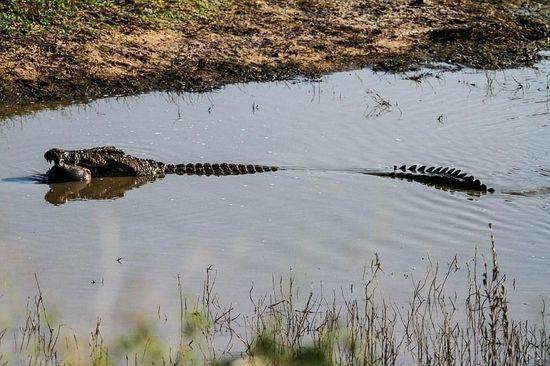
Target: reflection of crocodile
[
  {"x": 99, "y": 162},
  {"x": 96, "y": 189}
]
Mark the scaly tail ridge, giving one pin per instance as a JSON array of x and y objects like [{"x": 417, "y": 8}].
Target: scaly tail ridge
[
  {"x": 443, "y": 176},
  {"x": 217, "y": 169}
]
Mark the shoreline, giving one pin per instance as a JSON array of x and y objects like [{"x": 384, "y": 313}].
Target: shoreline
[{"x": 264, "y": 41}]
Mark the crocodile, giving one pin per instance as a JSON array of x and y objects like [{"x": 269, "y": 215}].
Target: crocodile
[{"x": 109, "y": 161}]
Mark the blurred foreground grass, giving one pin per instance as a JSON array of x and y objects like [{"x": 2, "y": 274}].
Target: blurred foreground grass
[{"x": 290, "y": 327}]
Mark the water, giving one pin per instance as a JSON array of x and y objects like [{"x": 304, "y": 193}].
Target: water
[{"x": 325, "y": 224}]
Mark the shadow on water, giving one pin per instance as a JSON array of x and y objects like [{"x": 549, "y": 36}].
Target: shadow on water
[
  {"x": 97, "y": 189},
  {"x": 538, "y": 192},
  {"x": 114, "y": 187}
]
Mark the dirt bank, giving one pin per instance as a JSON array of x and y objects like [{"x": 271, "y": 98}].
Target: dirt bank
[{"x": 257, "y": 40}]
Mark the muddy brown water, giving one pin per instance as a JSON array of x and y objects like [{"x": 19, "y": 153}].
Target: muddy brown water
[{"x": 325, "y": 223}]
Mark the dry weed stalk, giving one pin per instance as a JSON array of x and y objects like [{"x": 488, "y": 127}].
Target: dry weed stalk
[{"x": 288, "y": 327}]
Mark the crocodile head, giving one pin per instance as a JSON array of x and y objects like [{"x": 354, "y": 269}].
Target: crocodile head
[
  {"x": 61, "y": 173},
  {"x": 55, "y": 155}
]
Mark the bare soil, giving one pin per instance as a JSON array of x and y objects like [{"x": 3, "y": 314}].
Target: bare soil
[{"x": 266, "y": 40}]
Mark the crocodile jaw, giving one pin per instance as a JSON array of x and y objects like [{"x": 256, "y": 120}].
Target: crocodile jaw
[{"x": 52, "y": 155}]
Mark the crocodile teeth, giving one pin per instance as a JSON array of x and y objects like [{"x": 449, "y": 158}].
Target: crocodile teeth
[
  {"x": 421, "y": 169},
  {"x": 412, "y": 168},
  {"x": 403, "y": 167},
  {"x": 430, "y": 169}
]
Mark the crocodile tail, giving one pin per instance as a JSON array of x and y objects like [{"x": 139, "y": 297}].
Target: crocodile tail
[
  {"x": 217, "y": 169},
  {"x": 451, "y": 177}
]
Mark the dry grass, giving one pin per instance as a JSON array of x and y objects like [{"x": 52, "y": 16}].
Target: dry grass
[{"x": 288, "y": 327}]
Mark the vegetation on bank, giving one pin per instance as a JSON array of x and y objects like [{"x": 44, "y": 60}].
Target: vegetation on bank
[
  {"x": 87, "y": 17},
  {"x": 75, "y": 50},
  {"x": 359, "y": 326},
  {"x": 47, "y": 18}
]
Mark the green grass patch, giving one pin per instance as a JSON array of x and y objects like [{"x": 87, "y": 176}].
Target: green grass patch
[{"x": 64, "y": 17}]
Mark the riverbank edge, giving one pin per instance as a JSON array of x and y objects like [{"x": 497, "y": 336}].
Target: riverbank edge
[{"x": 265, "y": 41}]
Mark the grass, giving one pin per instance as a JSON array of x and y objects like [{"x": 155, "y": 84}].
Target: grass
[
  {"x": 47, "y": 18},
  {"x": 88, "y": 17},
  {"x": 288, "y": 327}
]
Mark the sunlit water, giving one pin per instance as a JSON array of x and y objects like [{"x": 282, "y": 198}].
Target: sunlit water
[{"x": 324, "y": 224}]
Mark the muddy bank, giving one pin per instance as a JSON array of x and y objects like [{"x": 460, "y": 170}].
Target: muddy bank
[{"x": 266, "y": 40}]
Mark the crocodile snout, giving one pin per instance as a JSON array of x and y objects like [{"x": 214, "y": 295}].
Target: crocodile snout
[{"x": 54, "y": 155}]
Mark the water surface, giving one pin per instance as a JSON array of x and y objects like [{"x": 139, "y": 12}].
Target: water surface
[{"x": 324, "y": 224}]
